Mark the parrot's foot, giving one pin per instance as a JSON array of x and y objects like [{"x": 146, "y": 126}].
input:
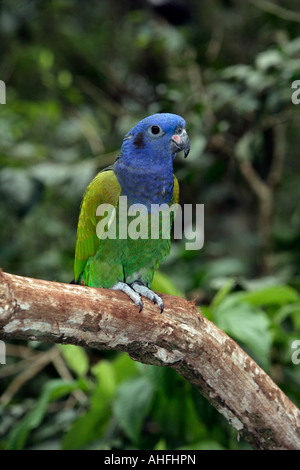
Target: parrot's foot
[
  {"x": 149, "y": 294},
  {"x": 123, "y": 287},
  {"x": 135, "y": 291}
]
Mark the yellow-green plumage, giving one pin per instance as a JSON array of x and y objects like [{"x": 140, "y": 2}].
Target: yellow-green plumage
[
  {"x": 117, "y": 256},
  {"x": 103, "y": 189}
]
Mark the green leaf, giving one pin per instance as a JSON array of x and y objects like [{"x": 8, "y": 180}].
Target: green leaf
[
  {"x": 106, "y": 379},
  {"x": 222, "y": 293},
  {"x": 203, "y": 445},
  {"x": 86, "y": 429},
  {"x": 76, "y": 358},
  {"x": 90, "y": 426},
  {"x": 162, "y": 283},
  {"x": 124, "y": 367},
  {"x": 132, "y": 404},
  {"x": 269, "y": 58},
  {"x": 161, "y": 445},
  {"x": 52, "y": 391},
  {"x": 246, "y": 323},
  {"x": 278, "y": 295},
  {"x": 289, "y": 310}
]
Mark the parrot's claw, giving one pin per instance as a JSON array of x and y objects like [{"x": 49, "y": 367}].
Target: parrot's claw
[
  {"x": 134, "y": 296},
  {"x": 134, "y": 292},
  {"x": 149, "y": 294}
]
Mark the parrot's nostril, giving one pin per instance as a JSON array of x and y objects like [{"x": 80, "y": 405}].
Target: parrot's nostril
[{"x": 176, "y": 138}]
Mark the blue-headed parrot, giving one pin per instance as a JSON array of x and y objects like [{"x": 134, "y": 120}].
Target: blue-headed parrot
[{"x": 143, "y": 172}]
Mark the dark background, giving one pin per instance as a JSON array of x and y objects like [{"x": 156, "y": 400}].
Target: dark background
[{"x": 78, "y": 76}]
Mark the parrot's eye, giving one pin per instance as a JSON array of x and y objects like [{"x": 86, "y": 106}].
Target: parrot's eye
[{"x": 156, "y": 130}]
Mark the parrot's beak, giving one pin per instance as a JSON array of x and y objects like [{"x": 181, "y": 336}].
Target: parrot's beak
[{"x": 180, "y": 141}]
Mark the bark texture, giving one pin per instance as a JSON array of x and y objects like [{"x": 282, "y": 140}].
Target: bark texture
[{"x": 180, "y": 338}]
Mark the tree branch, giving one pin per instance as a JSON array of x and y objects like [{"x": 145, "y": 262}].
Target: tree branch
[
  {"x": 276, "y": 10},
  {"x": 180, "y": 338}
]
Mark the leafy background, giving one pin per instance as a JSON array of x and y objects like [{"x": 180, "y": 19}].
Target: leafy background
[{"x": 79, "y": 75}]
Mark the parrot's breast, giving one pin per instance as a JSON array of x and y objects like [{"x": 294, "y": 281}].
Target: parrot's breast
[{"x": 146, "y": 185}]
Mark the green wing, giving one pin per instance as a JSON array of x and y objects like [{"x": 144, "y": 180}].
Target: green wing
[
  {"x": 104, "y": 189},
  {"x": 176, "y": 190}
]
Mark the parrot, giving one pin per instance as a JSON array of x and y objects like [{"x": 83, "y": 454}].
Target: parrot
[{"x": 143, "y": 172}]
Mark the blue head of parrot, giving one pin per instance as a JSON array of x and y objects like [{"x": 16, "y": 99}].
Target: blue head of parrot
[
  {"x": 144, "y": 166},
  {"x": 155, "y": 138}
]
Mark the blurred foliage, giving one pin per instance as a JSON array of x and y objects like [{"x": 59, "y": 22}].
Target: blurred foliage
[{"x": 78, "y": 77}]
